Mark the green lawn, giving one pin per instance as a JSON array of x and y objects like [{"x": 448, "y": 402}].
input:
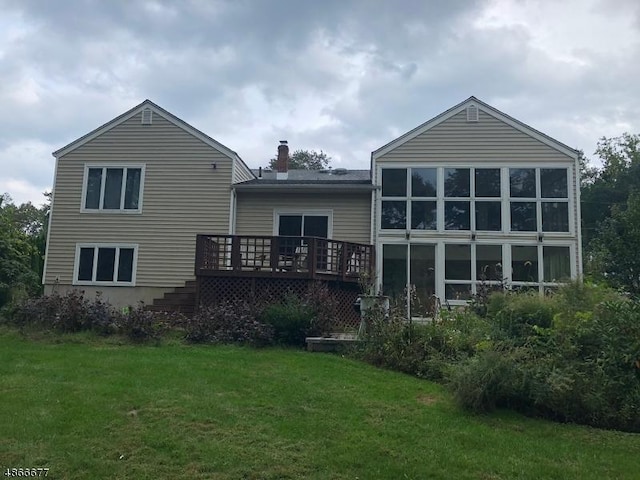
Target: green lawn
[{"x": 95, "y": 409}]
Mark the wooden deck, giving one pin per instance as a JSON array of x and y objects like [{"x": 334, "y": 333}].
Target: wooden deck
[{"x": 309, "y": 258}]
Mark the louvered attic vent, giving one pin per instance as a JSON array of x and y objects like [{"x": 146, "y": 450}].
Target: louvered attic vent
[
  {"x": 147, "y": 116},
  {"x": 472, "y": 113}
]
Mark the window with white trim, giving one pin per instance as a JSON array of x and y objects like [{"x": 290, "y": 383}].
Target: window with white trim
[
  {"x": 113, "y": 188},
  {"x": 539, "y": 199},
  {"x": 534, "y": 199},
  {"x": 535, "y": 266},
  {"x": 105, "y": 264}
]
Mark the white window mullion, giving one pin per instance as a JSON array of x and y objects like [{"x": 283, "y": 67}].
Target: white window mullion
[
  {"x": 474, "y": 275},
  {"x": 102, "y": 187},
  {"x": 538, "y": 201},
  {"x": 440, "y": 199},
  {"x": 540, "y": 268},
  {"x": 122, "y": 187},
  {"x": 94, "y": 270},
  {"x": 505, "y": 198},
  {"x": 116, "y": 264},
  {"x": 408, "y": 282},
  {"x": 472, "y": 201},
  {"x": 408, "y": 193},
  {"x": 507, "y": 270},
  {"x": 440, "y": 262}
]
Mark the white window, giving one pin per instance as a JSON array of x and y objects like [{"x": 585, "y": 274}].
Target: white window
[
  {"x": 539, "y": 199},
  {"x": 113, "y": 188},
  {"x": 105, "y": 264},
  {"x": 453, "y": 199}
]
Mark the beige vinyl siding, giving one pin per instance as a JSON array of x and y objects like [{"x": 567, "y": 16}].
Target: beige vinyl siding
[
  {"x": 183, "y": 196},
  {"x": 455, "y": 139},
  {"x": 242, "y": 173},
  {"x": 351, "y": 212}
]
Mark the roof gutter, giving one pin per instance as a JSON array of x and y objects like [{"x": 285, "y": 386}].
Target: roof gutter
[{"x": 302, "y": 188}]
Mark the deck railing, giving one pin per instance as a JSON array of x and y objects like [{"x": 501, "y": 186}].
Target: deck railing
[{"x": 283, "y": 256}]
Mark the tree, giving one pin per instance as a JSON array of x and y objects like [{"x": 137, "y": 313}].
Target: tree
[
  {"x": 613, "y": 253},
  {"x": 611, "y": 185},
  {"x": 22, "y": 243},
  {"x": 305, "y": 160}
]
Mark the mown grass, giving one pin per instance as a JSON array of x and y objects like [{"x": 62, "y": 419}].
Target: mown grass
[{"x": 91, "y": 408}]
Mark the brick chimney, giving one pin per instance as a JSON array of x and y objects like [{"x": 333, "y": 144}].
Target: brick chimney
[{"x": 282, "y": 164}]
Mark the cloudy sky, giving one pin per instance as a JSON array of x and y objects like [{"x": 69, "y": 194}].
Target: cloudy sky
[{"x": 338, "y": 75}]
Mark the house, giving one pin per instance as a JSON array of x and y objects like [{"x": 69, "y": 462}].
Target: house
[
  {"x": 473, "y": 198},
  {"x": 146, "y": 203}
]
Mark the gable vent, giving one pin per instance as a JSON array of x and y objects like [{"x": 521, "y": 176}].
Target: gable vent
[
  {"x": 147, "y": 116},
  {"x": 472, "y": 113}
]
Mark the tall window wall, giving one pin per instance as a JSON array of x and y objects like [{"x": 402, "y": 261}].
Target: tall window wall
[{"x": 517, "y": 224}]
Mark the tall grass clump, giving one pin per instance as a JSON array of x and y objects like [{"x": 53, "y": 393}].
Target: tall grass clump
[{"x": 573, "y": 356}]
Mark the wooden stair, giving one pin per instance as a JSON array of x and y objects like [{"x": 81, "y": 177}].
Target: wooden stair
[{"x": 181, "y": 299}]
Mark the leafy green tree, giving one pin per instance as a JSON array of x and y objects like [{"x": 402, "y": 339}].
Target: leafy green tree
[
  {"x": 613, "y": 255},
  {"x": 305, "y": 160},
  {"x": 611, "y": 185},
  {"x": 22, "y": 243}
]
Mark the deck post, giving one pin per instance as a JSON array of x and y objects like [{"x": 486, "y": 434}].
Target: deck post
[
  {"x": 313, "y": 260},
  {"x": 274, "y": 254},
  {"x": 236, "y": 259}
]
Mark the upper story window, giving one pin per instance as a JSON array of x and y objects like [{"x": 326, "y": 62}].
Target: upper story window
[
  {"x": 539, "y": 199},
  {"x": 394, "y": 192},
  {"x": 113, "y": 188},
  {"x": 474, "y": 199},
  {"x": 424, "y": 198}
]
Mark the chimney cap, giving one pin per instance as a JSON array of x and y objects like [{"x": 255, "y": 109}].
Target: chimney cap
[{"x": 283, "y": 142}]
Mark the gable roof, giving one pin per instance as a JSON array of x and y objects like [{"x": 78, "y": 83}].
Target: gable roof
[
  {"x": 156, "y": 110},
  {"x": 486, "y": 108}
]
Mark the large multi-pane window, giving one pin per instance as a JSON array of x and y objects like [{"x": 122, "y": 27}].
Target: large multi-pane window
[
  {"x": 467, "y": 267},
  {"x": 114, "y": 189},
  {"x": 105, "y": 264},
  {"x": 473, "y": 199}
]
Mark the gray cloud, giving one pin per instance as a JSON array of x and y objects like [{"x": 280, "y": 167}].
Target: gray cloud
[{"x": 343, "y": 76}]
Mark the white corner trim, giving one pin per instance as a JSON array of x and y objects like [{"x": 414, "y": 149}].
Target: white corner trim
[{"x": 46, "y": 250}]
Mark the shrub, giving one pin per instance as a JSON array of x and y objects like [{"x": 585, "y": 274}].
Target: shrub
[
  {"x": 228, "y": 322},
  {"x": 491, "y": 379},
  {"x": 573, "y": 356},
  {"x": 591, "y": 371},
  {"x": 520, "y": 315},
  {"x": 425, "y": 350},
  {"x": 141, "y": 325},
  {"x": 67, "y": 313},
  {"x": 324, "y": 307},
  {"x": 291, "y": 320}
]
